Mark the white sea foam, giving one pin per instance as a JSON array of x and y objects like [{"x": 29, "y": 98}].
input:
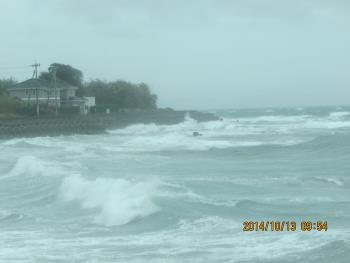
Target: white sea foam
[
  {"x": 215, "y": 134},
  {"x": 277, "y": 118},
  {"x": 227, "y": 133},
  {"x": 117, "y": 201},
  {"x": 288, "y": 124},
  {"x": 331, "y": 180},
  {"x": 207, "y": 224},
  {"x": 338, "y": 114},
  {"x": 175, "y": 141},
  {"x": 4, "y": 214},
  {"x": 325, "y": 124},
  {"x": 224, "y": 241},
  {"x": 33, "y": 166},
  {"x": 74, "y": 144},
  {"x": 335, "y": 181},
  {"x": 190, "y": 233}
]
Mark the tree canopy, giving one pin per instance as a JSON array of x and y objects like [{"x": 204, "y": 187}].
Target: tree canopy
[
  {"x": 121, "y": 94},
  {"x": 7, "y": 104},
  {"x": 64, "y": 72}
]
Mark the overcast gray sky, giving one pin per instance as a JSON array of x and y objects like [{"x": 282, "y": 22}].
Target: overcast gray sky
[{"x": 193, "y": 53}]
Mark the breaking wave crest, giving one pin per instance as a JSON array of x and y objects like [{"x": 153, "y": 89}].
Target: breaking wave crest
[
  {"x": 117, "y": 201},
  {"x": 226, "y": 133},
  {"x": 32, "y": 166}
]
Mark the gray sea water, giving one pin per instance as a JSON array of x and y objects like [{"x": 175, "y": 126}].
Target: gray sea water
[{"x": 151, "y": 193}]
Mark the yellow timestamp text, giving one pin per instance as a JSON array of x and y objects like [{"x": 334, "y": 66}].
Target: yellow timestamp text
[{"x": 304, "y": 226}]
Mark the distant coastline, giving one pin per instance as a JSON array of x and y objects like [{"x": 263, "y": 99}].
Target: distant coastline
[{"x": 59, "y": 102}]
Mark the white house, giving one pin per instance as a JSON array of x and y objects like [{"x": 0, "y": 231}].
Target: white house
[{"x": 46, "y": 92}]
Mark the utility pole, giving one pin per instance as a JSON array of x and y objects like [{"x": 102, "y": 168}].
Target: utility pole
[
  {"x": 35, "y": 76},
  {"x": 55, "y": 86},
  {"x": 35, "y": 72}
]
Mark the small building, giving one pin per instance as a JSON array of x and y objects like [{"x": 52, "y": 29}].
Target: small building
[
  {"x": 42, "y": 91},
  {"x": 46, "y": 92},
  {"x": 88, "y": 104},
  {"x": 84, "y": 103}
]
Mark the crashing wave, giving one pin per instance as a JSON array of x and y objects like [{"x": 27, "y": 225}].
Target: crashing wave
[{"x": 117, "y": 201}]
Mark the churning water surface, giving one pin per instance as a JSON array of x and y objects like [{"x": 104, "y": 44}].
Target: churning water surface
[{"x": 156, "y": 193}]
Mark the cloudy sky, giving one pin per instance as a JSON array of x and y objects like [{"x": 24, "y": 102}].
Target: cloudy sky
[{"x": 193, "y": 53}]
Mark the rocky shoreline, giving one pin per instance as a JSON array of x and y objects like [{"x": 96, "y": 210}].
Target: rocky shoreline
[{"x": 93, "y": 123}]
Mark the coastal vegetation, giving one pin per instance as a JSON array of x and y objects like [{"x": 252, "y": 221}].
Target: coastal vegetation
[
  {"x": 64, "y": 72},
  {"x": 5, "y": 84},
  {"x": 114, "y": 95},
  {"x": 8, "y": 105},
  {"x": 119, "y": 94}
]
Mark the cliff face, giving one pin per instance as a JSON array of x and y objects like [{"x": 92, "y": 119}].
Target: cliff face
[{"x": 93, "y": 123}]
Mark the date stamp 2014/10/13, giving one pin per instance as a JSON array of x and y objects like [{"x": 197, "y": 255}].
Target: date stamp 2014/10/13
[{"x": 264, "y": 226}]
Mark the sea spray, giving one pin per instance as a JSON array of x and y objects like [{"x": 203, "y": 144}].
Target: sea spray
[
  {"x": 117, "y": 201},
  {"x": 30, "y": 166}
]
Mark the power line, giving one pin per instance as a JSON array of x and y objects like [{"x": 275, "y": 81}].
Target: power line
[
  {"x": 9, "y": 68},
  {"x": 19, "y": 70},
  {"x": 15, "y": 72}
]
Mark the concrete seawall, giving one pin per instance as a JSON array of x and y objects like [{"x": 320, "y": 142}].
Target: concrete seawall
[{"x": 91, "y": 124}]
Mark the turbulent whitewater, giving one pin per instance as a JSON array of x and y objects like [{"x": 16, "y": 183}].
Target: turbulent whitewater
[{"x": 156, "y": 193}]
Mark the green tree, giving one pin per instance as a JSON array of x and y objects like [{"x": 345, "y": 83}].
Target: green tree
[
  {"x": 133, "y": 96},
  {"x": 148, "y": 99},
  {"x": 7, "y": 104},
  {"x": 120, "y": 94},
  {"x": 5, "y": 84},
  {"x": 64, "y": 72},
  {"x": 45, "y": 75},
  {"x": 100, "y": 90}
]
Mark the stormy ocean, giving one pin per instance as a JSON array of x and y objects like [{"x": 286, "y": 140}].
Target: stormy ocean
[{"x": 156, "y": 193}]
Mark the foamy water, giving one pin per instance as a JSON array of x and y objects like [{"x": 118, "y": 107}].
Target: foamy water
[{"x": 156, "y": 193}]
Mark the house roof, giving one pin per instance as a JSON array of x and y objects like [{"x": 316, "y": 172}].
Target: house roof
[{"x": 42, "y": 83}]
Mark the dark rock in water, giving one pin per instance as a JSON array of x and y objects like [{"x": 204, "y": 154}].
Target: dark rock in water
[{"x": 196, "y": 134}]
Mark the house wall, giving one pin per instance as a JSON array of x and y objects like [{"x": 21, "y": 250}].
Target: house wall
[
  {"x": 68, "y": 93},
  {"x": 89, "y": 102},
  {"x": 30, "y": 96},
  {"x": 44, "y": 95}
]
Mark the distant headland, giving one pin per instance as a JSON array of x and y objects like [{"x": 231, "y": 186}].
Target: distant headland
[
  {"x": 62, "y": 90},
  {"x": 58, "y": 101}
]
